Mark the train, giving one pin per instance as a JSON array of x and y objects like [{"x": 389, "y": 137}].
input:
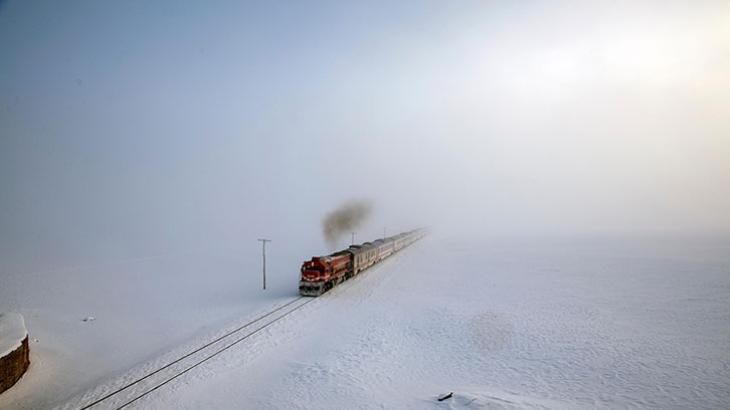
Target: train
[{"x": 322, "y": 273}]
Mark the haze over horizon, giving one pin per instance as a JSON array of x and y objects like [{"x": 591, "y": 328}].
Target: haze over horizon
[{"x": 131, "y": 128}]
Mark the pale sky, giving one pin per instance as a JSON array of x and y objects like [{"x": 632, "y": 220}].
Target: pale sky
[{"x": 127, "y": 128}]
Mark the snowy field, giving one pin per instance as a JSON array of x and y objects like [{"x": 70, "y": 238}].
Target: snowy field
[
  {"x": 96, "y": 322},
  {"x": 501, "y": 323}
]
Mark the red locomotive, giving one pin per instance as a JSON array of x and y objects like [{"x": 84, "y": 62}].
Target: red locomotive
[{"x": 322, "y": 273}]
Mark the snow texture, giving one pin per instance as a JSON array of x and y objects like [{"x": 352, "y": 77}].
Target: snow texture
[
  {"x": 12, "y": 332},
  {"x": 504, "y": 324},
  {"x": 143, "y": 309}
]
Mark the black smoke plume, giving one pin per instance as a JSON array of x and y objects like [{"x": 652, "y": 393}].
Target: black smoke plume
[{"x": 344, "y": 220}]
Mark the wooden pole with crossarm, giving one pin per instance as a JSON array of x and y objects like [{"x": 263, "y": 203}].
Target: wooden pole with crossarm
[{"x": 263, "y": 254}]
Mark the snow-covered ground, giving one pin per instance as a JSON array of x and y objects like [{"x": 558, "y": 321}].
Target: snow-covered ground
[
  {"x": 91, "y": 323},
  {"x": 503, "y": 323}
]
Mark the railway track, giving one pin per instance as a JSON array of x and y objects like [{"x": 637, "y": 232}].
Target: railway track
[{"x": 132, "y": 391}]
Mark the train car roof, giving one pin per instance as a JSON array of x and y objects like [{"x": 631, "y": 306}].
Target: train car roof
[{"x": 356, "y": 249}]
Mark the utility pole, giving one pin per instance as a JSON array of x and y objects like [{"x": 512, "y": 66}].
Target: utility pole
[
  {"x": 263, "y": 253},
  {"x": 383, "y": 232},
  {"x": 353, "y": 239}
]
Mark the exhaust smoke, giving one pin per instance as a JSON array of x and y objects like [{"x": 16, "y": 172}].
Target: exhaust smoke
[{"x": 344, "y": 219}]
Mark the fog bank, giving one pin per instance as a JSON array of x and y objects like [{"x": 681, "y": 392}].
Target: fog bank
[{"x": 132, "y": 129}]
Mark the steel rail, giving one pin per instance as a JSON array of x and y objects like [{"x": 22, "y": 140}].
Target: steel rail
[
  {"x": 178, "y": 374},
  {"x": 218, "y": 339}
]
